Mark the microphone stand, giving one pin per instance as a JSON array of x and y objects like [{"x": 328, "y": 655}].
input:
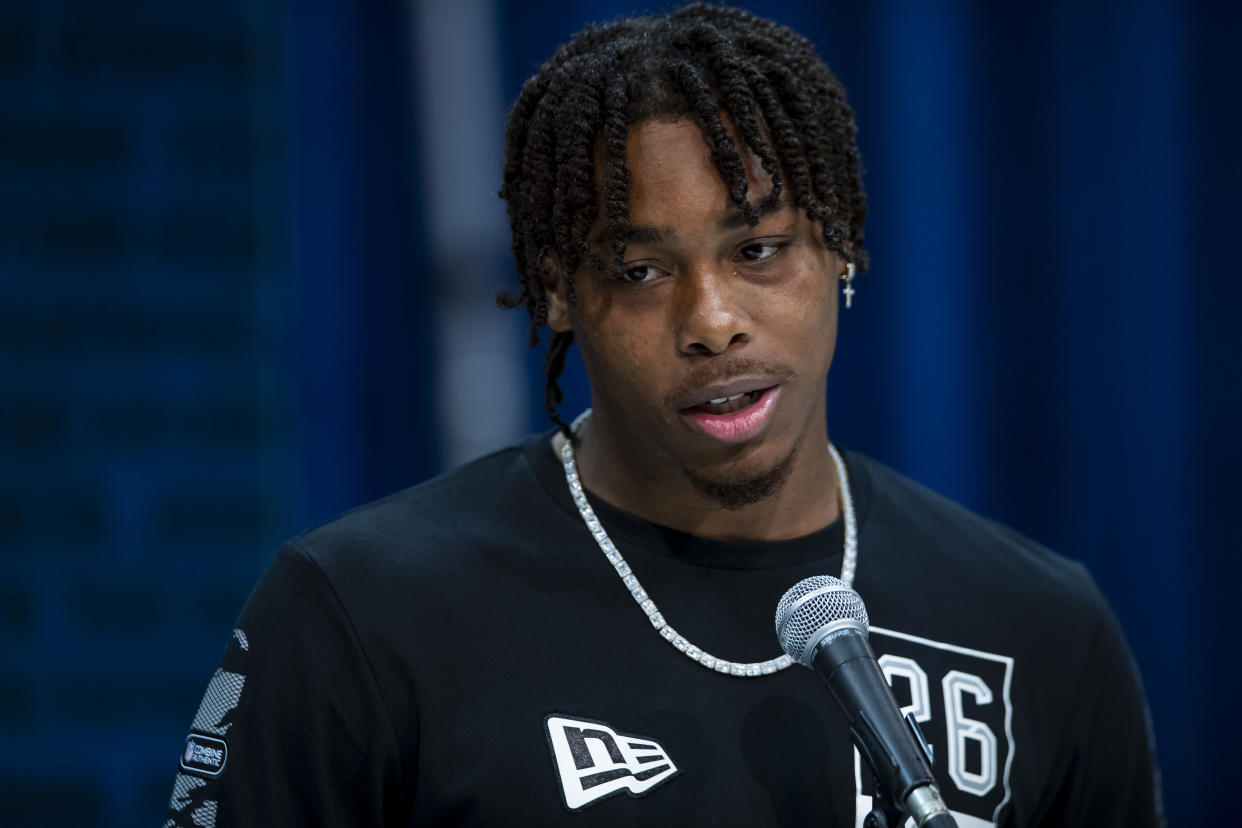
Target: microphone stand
[
  {"x": 887, "y": 813},
  {"x": 884, "y": 810}
]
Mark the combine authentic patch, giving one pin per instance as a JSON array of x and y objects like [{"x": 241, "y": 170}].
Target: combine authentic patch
[{"x": 204, "y": 754}]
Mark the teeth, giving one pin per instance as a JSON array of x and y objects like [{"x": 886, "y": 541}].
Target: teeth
[{"x": 721, "y": 400}]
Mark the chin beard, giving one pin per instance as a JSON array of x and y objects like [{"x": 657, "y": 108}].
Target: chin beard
[{"x": 745, "y": 488}]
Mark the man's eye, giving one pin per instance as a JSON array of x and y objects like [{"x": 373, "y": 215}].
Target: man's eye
[
  {"x": 639, "y": 274},
  {"x": 758, "y": 252}
]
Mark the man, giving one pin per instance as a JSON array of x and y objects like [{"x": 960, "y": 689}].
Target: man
[{"x": 578, "y": 629}]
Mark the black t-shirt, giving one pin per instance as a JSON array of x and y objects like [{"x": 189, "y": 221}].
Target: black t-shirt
[{"x": 463, "y": 653}]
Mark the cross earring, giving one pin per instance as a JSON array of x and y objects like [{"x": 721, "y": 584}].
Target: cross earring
[{"x": 848, "y": 290}]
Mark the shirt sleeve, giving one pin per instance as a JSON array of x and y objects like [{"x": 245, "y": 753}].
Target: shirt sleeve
[
  {"x": 1111, "y": 776},
  {"x": 292, "y": 729}
]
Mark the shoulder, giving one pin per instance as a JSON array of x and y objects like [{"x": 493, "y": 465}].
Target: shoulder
[
  {"x": 457, "y": 509},
  {"x": 927, "y": 543},
  {"x": 929, "y": 525},
  {"x": 419, "y": 549}
]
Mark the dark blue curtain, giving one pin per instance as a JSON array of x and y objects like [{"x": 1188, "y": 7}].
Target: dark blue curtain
[{"x": 361, "y": 339}]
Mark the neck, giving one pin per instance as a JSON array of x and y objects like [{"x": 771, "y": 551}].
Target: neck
[{"x": 663, "y": 494}]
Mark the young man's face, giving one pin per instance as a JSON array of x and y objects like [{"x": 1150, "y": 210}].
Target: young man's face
[{"x": 705, "y": 308}]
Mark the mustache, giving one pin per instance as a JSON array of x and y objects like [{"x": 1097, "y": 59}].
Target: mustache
[{"x": 717, "y": 371}]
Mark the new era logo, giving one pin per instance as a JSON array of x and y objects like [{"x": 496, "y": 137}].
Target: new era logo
[{"x": 594, "y": 761}]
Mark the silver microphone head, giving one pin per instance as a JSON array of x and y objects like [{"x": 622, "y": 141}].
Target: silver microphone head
[{"x": 813, "y": 608}]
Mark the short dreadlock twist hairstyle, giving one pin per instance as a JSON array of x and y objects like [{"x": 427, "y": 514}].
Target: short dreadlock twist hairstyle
[{"x": 700, "y": 62}]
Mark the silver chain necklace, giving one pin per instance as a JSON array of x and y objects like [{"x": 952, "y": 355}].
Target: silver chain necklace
[{"x": 748, "y": 670}]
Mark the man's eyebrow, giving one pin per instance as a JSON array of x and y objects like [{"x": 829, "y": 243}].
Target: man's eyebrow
[{"x": 737, "y": 219}]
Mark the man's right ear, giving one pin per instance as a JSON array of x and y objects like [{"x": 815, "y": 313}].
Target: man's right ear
[{"x": 555, "y": 290}]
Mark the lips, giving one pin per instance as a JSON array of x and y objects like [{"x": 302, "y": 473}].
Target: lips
[{"x": 733, "y": 413}]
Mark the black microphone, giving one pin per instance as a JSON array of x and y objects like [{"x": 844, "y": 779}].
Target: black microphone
[{"x": 822, "y": 624}]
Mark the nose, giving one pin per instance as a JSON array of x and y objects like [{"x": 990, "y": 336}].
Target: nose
[{"x": 710, "y": 315}]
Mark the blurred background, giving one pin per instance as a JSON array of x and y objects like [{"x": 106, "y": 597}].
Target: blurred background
[{"x": 247, "y": 258}]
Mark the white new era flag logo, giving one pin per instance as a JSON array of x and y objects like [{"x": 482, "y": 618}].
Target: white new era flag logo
[{"x": 595, "y": 761}]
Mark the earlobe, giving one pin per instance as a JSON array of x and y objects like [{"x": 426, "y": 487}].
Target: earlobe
[{"x": 554, "y": 290}]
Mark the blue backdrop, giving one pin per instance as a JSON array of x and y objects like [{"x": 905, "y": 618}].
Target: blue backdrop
[{"x": 247, "y": 254}]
